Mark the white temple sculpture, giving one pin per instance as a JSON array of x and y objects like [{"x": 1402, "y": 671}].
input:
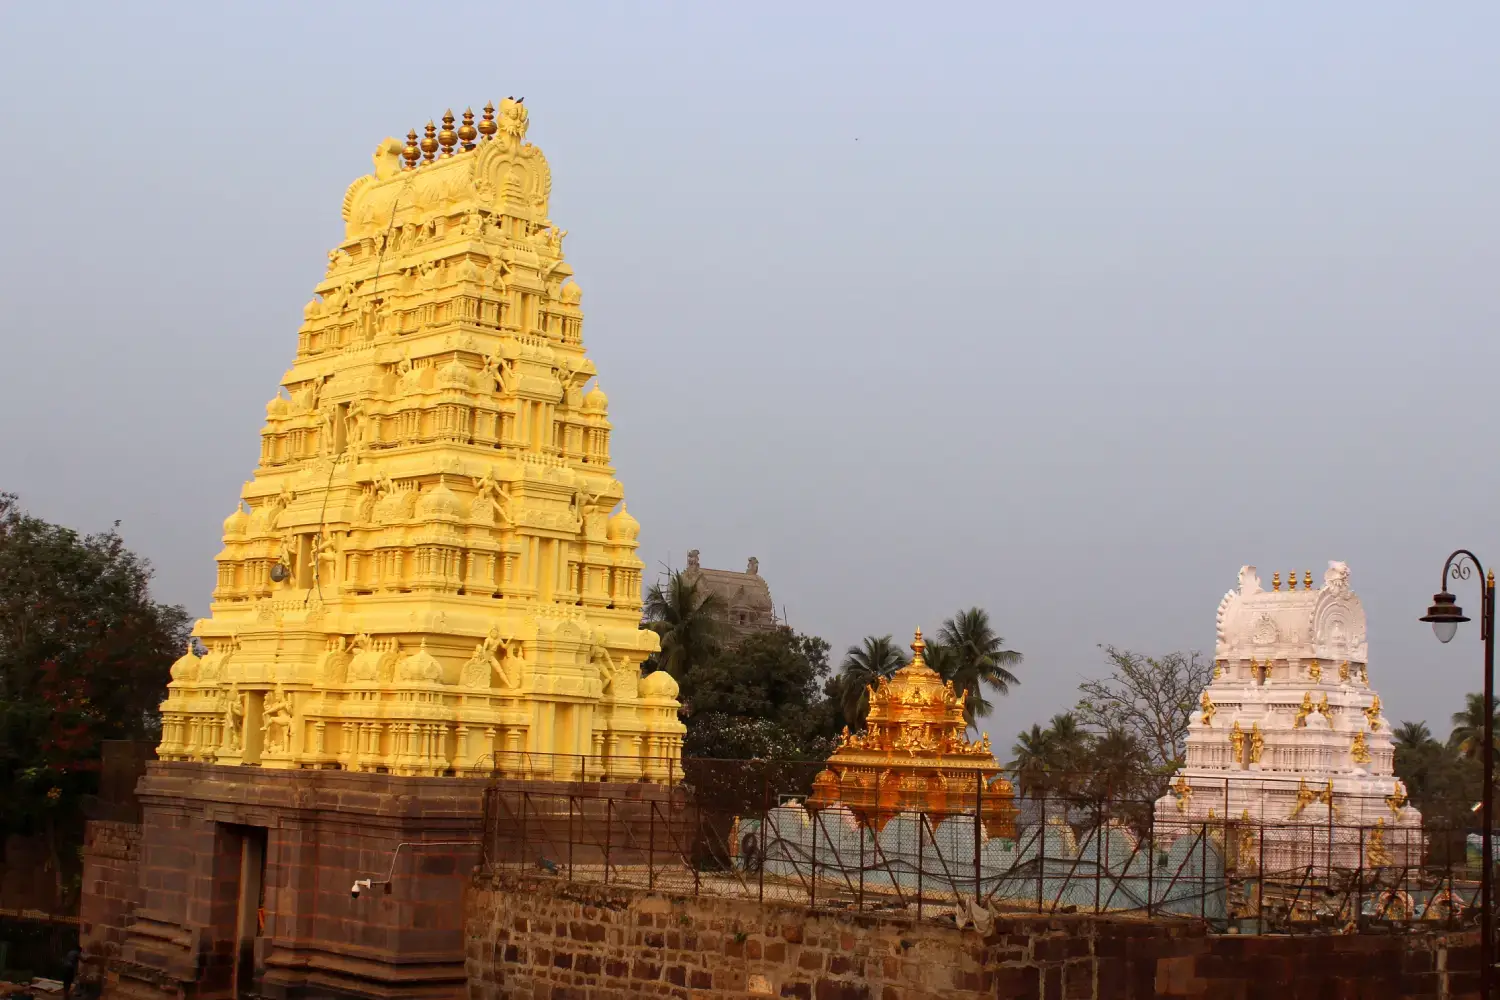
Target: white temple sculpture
[{"x": 1289, "y": 757}]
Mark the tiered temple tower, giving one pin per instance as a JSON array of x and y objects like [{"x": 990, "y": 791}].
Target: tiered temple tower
[
  {"x": 430, "y": 577},
  {"x": 424, "y": 576},
  {"x": 1289, "y": 742}
]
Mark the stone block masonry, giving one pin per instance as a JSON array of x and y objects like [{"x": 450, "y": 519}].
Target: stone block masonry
[{"x": 543, "y": 938}]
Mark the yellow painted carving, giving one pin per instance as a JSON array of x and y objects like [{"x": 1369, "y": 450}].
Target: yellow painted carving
[
  {"x": 431, "y": 570},
  {"x": 1257, "y": 743},
  {"x": 1209, "y": 711}
]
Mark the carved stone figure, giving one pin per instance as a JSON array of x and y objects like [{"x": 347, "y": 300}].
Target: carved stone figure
[
  {"x": 487, "y": 663},
  {"x": 234, "y": 718},
  {"x": 276, "y": 724},
  {"x": 603, "y": 662},
  {"x": 492, "y": 500}
]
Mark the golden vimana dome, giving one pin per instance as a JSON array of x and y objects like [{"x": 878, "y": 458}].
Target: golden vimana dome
[
  {"x": 915, "y": 756},
  {"x": 432, "y": 570}
]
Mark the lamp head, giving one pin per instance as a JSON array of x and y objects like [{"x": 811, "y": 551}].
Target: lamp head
[{"x": 1445, "y": 616}]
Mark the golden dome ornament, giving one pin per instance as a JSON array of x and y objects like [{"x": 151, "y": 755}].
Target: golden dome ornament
[
  {"x": 467, "y": 132},
  {"x": 487, "y": 125},
  {"x": 429, "y": 143},
  {"x": 447, "y": 138},
  {"x": 411, "y": 154}
]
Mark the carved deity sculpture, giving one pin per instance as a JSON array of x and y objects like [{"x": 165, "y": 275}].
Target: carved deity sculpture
[
  {"x": 1303, "y": 711},
  {"x": 1372, "y": 714},
  {"x": 276, "y": 722},
  {"x": 1257, "y": 743},
  {"x": 1208, "y": 708},
  {"x": 1359, "y": 751},
  {"x": 234, "y": 718}
]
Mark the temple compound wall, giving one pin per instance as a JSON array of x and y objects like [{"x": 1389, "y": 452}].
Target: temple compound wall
[{"x": 533, "y": 937}]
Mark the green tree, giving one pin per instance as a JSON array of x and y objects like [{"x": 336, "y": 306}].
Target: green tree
[
  {"x": 978, "y": 660},
  {"x": 1151, "y": 698},
  {"x": 1055, "y": 760},
  {"x": 689, "y": 623},
  {"x": 875, "y": 658},
  {"x": 84, "y": 657},
  {"x": 773, "y": 679}
]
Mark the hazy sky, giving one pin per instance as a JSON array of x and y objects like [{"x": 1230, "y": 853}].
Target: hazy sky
[{"x": 1066, "y": 311}]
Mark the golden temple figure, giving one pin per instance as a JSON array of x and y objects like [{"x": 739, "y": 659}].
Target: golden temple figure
[
  {"x": 1303, "y": 711},
  {"x": 1315, "y": 671},
  {"x": 1305, "y": 797},
  {"x": 1359, "y": 751},
  {"x": 914, "y": 756},
  {"x": 1376, "y": 854},
  {"x": 1372, "y": 714},
  {"x": 1209, "y": 711},
  {"x": 1257, "y": 743},
  {"x": 1183, "y": 792},
  {"x": 432, "y": 570},
  {"x": 1237, "y": 743}
]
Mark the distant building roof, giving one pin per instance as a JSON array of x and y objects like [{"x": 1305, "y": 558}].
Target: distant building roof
[{"x": 746, "y": 596}]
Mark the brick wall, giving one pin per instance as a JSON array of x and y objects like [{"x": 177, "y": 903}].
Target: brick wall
[{"x": 532, "y": 937}]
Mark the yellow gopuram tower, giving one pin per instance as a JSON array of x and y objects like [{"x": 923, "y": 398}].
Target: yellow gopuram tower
[{"x": 427, "y": 574}]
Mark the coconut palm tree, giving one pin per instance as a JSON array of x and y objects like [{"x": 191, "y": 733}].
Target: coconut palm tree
[
  {"x": 689, "y": 623},
  {"x": 876, "y": 658},
  {"x": 979, "y": 660},
  {"x": 1031, "y": 751},
  {"x": 1468, "y": 727},
  {"x": 1412, "y": 736}
]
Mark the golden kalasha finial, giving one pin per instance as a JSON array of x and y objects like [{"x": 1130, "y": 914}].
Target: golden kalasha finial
[
  {"x": 411, "y": 154},
  {"x": 467, "y": 132},
  {"x": 1276, "y": 581},
  {"x": 429, "y": 143},
  {"x": 447, "y": 137},
  {"x": 1291, "y": 580},
  {"x": 1307, "y": 580},
  {"x": 487, "y": 126},
  {"x": 917, "y": 646}
]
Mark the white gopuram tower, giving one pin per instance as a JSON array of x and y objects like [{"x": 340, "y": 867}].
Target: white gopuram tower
[{"x": 1289, "y": 757}]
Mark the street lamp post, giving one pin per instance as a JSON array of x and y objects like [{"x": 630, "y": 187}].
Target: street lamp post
[{"x": 1445, "y": 616}]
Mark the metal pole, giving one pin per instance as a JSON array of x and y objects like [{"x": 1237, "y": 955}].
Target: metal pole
[
  {"x": 978, "y": 814},
  {"x": 1041, "y": 851},
  {"x": 1487, "y": 813},
  {"x": 921, "y": 828}
]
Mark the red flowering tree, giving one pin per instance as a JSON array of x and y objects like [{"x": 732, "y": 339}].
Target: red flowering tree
[{"x": 84, "y": 657}]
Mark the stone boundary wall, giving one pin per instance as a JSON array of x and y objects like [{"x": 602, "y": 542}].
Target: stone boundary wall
[
  {"x": 534, "y": 937},
  {"x": 111, "y": 892}
]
